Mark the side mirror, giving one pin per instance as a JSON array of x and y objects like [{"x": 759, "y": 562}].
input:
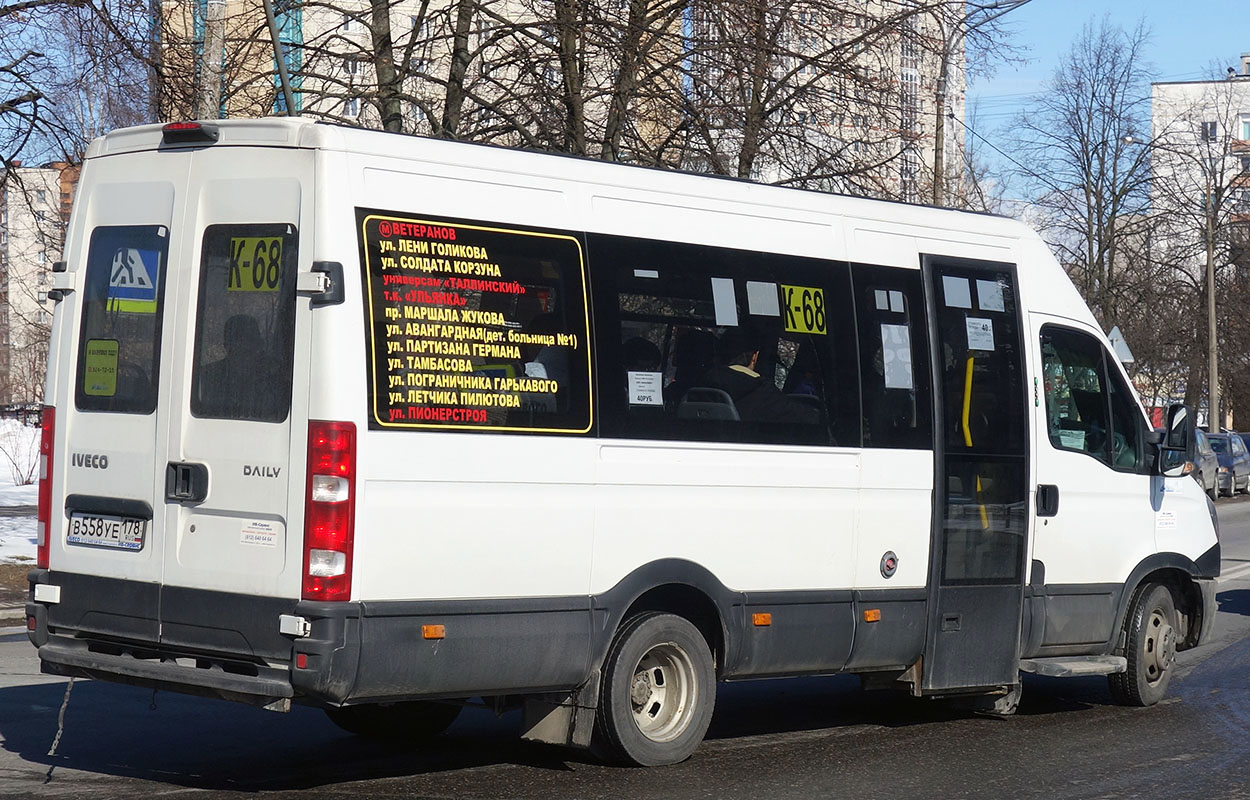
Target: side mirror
[{"x": 1176, "y": 451}]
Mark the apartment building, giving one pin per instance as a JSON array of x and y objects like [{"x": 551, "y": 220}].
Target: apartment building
[
  {"x": 1201, "y": 139},
  {"x": 1200, "y": 168},
  {"x": 34, "y": 207},
  {"x": 856, "y": 88}
]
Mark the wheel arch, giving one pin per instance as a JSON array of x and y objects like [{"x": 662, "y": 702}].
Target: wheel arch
[
  {"x": 673, "y": 586},
  {"x": 1180, "y": 575}
]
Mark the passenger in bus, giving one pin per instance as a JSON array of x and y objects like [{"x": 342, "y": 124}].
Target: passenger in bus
[
  {"x": 756, "y": 398},
  {"x": 803, "y": 377},
  {"x": 640, "y": 355},
  {"x": 242, "y": 384},
  {"x": 547, "y": 361},
  {"x": 692, "y": 357}
]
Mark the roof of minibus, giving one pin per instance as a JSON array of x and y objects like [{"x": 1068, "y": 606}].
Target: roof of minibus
[
  {"x": 312, "y": 134},
  {"x": 927, "y": 228}
]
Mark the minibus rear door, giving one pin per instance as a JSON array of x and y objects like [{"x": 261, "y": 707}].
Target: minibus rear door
[{"x": 231, "y": 470}]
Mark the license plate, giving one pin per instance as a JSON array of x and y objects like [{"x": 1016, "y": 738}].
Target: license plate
[{"x": 101, "y": 530}]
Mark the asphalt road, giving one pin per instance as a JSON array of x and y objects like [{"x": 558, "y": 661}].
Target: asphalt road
[{"x": 798, "y": 738}]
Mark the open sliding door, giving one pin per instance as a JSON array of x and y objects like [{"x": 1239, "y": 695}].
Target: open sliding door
[{"x": 981, "y": 490}]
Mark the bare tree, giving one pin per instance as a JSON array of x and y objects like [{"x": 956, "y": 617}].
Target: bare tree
[
  {"x": 1202, "y": 210},
  {"x": 1086, "y": 167},
  {"x": 970, "y": 37}
]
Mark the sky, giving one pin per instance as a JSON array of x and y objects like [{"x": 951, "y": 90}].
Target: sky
[{"x": 1188, "y": 37}]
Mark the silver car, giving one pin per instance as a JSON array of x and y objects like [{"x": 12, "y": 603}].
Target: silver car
[{"x": 1206, "y": 465}]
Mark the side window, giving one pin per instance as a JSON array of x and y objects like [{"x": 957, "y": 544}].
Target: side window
[
  {"x": 474, "y": 327},
  {"x": 711, "y": 344},
  {"x": 245, "y": 321},
  {"x": 1089, "y": 409},
  {"x": 894, "y": 357},
  {"x": 123, "y": 307}
]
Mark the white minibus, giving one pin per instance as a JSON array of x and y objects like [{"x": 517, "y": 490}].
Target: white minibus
[{"x": 386, "y": 425}]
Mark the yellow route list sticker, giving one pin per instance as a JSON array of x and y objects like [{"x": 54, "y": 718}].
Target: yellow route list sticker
[
  {"x": 100, "y": 375},
  {"x": 804, "y": 308},
  {"x": 474, "y": 326}
]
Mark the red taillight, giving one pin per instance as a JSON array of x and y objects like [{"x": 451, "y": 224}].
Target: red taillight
[
  {"x": 44, "y": 509},
  {"x": 329, "y": 511},
  {"x": 188, "y": 133}
]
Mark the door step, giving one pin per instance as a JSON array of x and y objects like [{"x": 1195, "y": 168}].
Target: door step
[{"x": 1074, "y": 666}]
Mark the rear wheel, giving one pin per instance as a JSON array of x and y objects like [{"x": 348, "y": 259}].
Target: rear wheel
[
  {"x": 1151, "y": 649},
  {"x": 658, "y": 691},
  {"x": 413, "y": 721}
]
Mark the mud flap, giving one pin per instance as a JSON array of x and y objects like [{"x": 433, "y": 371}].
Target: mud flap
[{"x": 562, "y": 718}]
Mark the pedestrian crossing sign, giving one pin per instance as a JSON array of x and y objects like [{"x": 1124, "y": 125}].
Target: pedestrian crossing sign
[{"x": 133, "y": 277}]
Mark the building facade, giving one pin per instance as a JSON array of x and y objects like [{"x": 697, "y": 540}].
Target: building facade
[
  {"x": 34, "y": 208},
  {"x": 857, "y": 96},
  {"x": 1200, "y": 201}
]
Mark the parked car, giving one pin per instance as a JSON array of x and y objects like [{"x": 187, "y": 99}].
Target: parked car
[
  {"x": 1206, "y": 464},
  {"x": 1234, "y": 469},
  {"x": 1245, "y": 439}
]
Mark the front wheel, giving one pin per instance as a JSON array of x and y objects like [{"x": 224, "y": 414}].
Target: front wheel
[
  {"x": 658, "y": 691},
  {"x": 1151, "y": 649},
  {"x": 412, "y": 721}
]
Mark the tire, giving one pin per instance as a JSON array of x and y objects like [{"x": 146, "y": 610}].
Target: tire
[
  {"x": 413, "y": 721},
  {"x": 1214, "y": 492},
  {"x": 1151, "y": 649},
  {"x": 657, "y": 693}
]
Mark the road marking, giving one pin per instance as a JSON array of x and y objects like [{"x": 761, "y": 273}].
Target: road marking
[{"x": 1234, "y": 574}]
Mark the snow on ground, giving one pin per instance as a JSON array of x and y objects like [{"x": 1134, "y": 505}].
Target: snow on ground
[{"x": 19, "y": 459}]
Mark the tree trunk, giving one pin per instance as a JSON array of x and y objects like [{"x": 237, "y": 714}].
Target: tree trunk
[
  {"x": 453, "y": 107},
  {"x": 626, "y": 80},
  {"x": 753, "y": 107},
  {"x": 390, "y": 83},
  {"x": 568, "y": 40}
]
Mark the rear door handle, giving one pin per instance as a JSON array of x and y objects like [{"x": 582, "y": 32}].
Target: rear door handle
[
  {"x": 186, "y": 482},
  {"x": 1047, "y": 500}
]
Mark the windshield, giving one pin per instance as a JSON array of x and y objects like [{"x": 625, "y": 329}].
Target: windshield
[{"x": 1218, "y": 443}]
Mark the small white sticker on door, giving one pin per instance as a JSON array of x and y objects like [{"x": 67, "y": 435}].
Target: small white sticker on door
[
  {"x": 260, "y": 532},
  {"x": 980, "y": 333},
  {"x": 1165, "y": 519}
]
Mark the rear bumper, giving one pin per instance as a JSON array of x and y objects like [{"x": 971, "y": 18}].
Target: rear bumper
[
  {"x": 156, "y": 668},
  {"x": 214, "y": 644},
  {"x": 232, "y": 646}
]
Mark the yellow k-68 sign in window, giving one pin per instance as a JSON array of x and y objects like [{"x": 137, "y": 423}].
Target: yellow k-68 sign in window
[{"x": 255, "y": 264}]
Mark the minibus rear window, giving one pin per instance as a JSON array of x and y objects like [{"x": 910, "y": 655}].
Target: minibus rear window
[
  {"x": 244, "y": 325},
  {"x": 123, "y": 304}
]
